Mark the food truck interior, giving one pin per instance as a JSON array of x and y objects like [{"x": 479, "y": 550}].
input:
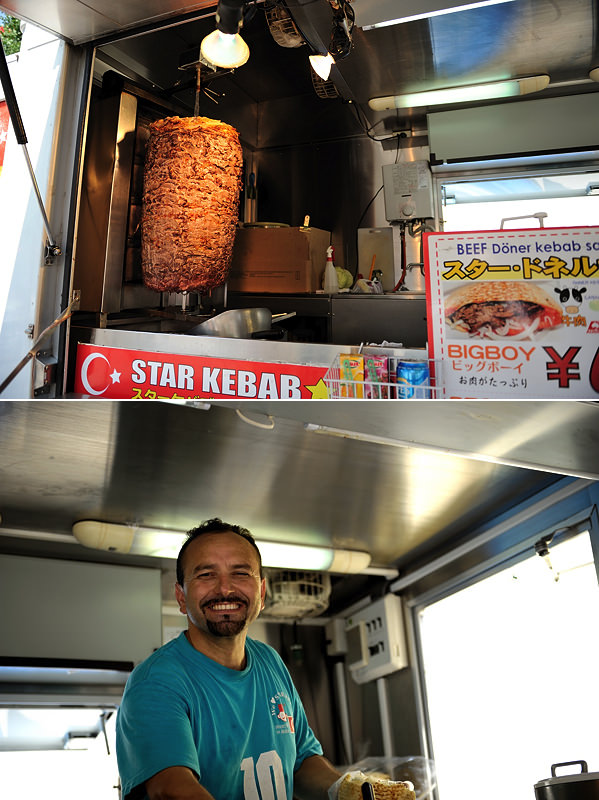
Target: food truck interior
[
  {"x": 418, "y": 506},
  {"x": 316, "y": 151}
]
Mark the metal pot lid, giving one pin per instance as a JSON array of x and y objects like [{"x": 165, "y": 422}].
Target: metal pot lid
[
  {"x": 576, "y": 777},
  {"x": 581, "y": 778}
]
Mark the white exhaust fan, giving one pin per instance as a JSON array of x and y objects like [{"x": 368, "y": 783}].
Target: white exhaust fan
[
  {"x": 282, "y": 27},
  {"x": 294, "y": 595}
]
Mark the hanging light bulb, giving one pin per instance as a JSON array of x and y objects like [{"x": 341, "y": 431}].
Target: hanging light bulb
[
  {"x": 322, "y": 65},
  {"x": 224, "y": 47},
  {"x": 224, "y": 50}
]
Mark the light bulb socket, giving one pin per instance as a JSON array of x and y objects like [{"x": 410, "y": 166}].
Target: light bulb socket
[{"x": 229, "y": 16}]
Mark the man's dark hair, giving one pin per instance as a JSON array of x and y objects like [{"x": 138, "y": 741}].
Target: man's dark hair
[{"x": 215, "y": 525}]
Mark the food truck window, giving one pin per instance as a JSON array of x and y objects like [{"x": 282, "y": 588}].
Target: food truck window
[
  {"x": 522, "y": 201},
  {"x": 52, "y": 752},
  {"x": 510, "y": 674}
]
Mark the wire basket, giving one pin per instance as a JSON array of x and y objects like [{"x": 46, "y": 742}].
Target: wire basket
[{"x": 380, "y": 377}]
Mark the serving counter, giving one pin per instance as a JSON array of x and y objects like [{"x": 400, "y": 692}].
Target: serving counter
[{"x": 132, "y": 364}]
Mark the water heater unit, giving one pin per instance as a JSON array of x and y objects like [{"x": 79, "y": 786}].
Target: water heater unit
[{"x": 408, "y": 191}]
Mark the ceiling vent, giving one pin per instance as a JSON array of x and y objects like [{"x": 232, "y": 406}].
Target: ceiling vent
[
  {"x": 282, "y": 27},
  {"x": 294, "y": 595},
  {"x": 324, "y": 89}
]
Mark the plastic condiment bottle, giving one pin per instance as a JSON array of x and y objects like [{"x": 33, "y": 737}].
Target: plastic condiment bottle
[{"x": 331, "y": 281}]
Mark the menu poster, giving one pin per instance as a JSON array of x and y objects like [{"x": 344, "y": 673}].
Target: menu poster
[{"x": 514, "y": 314}]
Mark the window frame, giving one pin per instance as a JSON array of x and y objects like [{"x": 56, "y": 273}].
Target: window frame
[
  {"x": 506, "y": 169},
  {"x": 565, "y": 509}
]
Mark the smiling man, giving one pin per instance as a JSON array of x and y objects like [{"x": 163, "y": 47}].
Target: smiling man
[{"x": 214, "y": 713}]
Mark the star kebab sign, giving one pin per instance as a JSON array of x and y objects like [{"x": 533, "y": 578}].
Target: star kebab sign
[{"x": 118, "y": 373}]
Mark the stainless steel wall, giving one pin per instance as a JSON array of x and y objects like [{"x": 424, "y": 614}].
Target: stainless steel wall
[{"x": 337, "y": 182}]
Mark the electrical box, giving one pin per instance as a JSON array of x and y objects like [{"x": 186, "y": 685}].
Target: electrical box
[
  {"x": 376, "y": 640},
  {"x": 408, "y": 191}
]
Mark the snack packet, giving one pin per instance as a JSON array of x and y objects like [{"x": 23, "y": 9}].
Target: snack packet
[
  {"x": 377, "y": 376},
  {"x": 351, "y": 373}
]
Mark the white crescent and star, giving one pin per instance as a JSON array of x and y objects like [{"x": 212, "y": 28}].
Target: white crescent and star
[{"x": 114, "y": 376}]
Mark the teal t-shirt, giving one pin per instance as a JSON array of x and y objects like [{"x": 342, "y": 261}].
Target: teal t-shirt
[{"x": 244, "y": 733}]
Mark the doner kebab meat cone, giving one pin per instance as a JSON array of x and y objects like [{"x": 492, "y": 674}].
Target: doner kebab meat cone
[{"x": 192, "y": 179}]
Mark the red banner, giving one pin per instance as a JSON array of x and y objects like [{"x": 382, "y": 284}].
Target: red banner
[
  {"x": 117, "y": 373},
  {"x": 4, "y": 123}
]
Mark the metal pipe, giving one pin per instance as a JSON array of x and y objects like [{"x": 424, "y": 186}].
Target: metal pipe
[
  {"x": 196, "y": 105},
  {"x": 11, "y": 99},
  {"x": 21, "y": 136},
  {"x": 540, "y": 215},
  {"x": 33, "y": 350},
  {"x": 344, "y": 711},
  {"x": 381, "y": 688},
  {"x": 53, "y": 247}
]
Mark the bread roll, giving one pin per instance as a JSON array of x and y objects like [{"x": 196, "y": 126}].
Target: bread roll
[
  {"x": 383, "y": 788},
  {"x": 498, "y": 309},
  {"x": 499, "y": 292}
]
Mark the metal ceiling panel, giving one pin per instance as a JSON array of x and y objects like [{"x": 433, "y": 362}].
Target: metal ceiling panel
[
  {"x": 382, "y": 12},
  {"x": 169, "y": 466},
  {"x": 526, "y": 37},
  {"x": 552, "y": 436},
  {"x": 490, "y": 43},
  {"x": 80, "y": 22}
]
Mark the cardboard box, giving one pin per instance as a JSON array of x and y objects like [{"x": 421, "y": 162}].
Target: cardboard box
[{"x": 278, "y": 260}]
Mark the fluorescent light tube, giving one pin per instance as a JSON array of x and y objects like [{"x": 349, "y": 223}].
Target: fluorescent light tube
[
  {"x": 372, "y": 14},
  {"x": 462, "y": 94},
  {"x": 119, "y": 538},
  {"x": 290, "y": 556}
]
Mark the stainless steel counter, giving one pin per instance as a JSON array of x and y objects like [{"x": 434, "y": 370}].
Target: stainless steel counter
[
  {"x": 373, "y": 318},
  {"x": 220, "y": 347},
  {"x": 352, "y": 319}
]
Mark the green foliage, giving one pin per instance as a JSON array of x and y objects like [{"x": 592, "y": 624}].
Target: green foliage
[{"x": 10, "y": 34}]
